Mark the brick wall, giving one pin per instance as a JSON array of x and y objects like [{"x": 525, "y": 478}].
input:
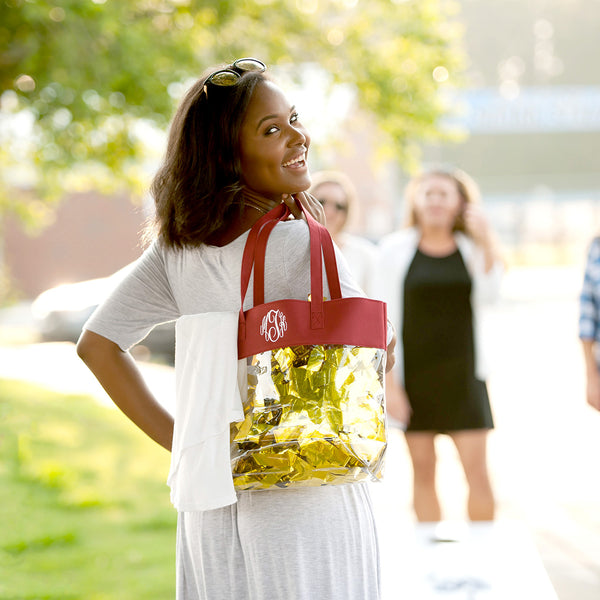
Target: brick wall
[{"x": 92, "y": 236}]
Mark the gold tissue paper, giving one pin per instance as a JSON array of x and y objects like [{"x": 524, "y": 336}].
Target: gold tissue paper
[{"x": 314, "y": 416}]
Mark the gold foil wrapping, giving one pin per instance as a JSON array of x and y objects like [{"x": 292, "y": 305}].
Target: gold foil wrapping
[{"x": 314, "y": 416}]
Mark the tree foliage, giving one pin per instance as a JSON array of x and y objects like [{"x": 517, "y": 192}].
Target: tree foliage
[{"x": 87, "y": 71}]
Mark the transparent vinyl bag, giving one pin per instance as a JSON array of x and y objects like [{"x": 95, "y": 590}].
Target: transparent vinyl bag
[{"x": 314, "y": 416}]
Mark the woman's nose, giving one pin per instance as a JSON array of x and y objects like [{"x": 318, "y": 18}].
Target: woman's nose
[{"x": 298, "y": 136}]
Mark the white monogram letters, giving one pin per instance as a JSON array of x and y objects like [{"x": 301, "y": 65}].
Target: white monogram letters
[{"x": 274, "y": 325}]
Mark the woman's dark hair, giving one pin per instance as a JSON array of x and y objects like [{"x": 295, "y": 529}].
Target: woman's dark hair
[{"x": 200, "y": 179}]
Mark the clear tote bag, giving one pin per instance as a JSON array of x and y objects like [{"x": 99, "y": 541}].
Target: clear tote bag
[{"x": 315, "y": 412}]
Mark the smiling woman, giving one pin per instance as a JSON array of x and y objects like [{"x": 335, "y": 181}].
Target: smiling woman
[{"x": 236, "y": 149}]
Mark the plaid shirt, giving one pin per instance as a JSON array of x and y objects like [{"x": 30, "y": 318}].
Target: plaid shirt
[{"x": 589, "y": 301}]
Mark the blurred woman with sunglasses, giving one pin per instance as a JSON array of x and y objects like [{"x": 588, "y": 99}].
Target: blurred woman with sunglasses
[
  {"x": 236, "y": 149},
  {"x": 337, "y": 195},
  {"x": 436, "y": 275}
]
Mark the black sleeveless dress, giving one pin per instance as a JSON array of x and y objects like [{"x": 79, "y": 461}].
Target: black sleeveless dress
[{"x": 439, "y": 353}]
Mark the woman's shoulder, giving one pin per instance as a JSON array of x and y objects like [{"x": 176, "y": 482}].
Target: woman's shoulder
[
  {"x": 293, "y": 231},
  {"x": 593, "y": 254},
  {"x": 154, "y": 252},
  {"x": 289, "y": 244},
  {"x": 595, "y": 246}
]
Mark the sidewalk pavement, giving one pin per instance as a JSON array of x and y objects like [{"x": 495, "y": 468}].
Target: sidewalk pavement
[{"x": 543, "y": 454}]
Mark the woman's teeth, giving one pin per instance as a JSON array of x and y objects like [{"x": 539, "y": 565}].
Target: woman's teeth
[{"x": 298, "y": 161}]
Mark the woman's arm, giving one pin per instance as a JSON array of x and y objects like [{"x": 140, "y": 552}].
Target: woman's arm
[
  {"x": 589, "y": 317},
  {"x": 119, "y": 376},
  {"x": 397, "y": 402},
  {"x": 592, "y": 375}
]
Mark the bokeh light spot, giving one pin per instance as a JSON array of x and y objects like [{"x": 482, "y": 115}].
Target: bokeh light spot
[
  {"x": 335, "y": 36},
  {"x": 25, "y": 83},
  {"x": 57, "y": 14},
  {"x": 440, "y": 74}
]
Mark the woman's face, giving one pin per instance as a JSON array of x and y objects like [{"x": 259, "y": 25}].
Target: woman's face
[
  {"x": 335, "y": 205},
  {"x": 273, "y": 145},
  {"x": 437, "y": 203}
]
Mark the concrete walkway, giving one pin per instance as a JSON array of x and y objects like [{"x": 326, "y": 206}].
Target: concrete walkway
[{"x": 544, "y": 451}]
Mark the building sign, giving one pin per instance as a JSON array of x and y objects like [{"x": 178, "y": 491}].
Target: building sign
[{"x": 534, "y": 109}]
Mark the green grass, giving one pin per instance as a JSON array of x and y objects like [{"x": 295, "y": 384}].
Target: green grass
[{"x": 84, "y": 509}]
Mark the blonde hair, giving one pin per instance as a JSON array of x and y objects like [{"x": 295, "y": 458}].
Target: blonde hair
[
  {"x": 467, "y": 189},
  {"x": 343, "y": 181}
]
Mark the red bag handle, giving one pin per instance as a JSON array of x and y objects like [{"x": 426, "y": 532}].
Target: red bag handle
[
  {"x": 274, "y": 216},
  {"x": 317, "y": 231},
  {"x": 331, "y": 269},
  {"x": 250, "y": 247},
  {"x": 320, "y": 244},
  {"x": 259, "y": 256}
]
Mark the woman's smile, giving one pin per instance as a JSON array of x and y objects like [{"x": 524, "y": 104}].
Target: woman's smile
[{"x": 296, "y": 163}]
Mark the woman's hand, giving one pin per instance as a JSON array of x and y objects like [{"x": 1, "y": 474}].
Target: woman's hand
[
  {"x": 309, "y": 202},
  {"x": 477, "y": 225},
  {"x": 391, "y": 355}
]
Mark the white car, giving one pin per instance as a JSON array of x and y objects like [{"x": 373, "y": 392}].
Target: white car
[{"x": 60, "y": 312}]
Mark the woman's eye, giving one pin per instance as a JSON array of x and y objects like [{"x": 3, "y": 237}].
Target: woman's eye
[{"x": 274, "y": 128}]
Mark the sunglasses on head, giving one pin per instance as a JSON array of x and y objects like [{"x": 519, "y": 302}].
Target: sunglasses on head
[
  {"x": 231, "y": 75},
  {"x": 337, "y": 205}
]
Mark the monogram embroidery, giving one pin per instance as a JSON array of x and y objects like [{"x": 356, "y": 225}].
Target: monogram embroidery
[{"x": 274, "y": 325}]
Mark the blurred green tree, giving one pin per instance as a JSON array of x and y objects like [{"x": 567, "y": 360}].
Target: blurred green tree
[{"x": 82, "y": 74}]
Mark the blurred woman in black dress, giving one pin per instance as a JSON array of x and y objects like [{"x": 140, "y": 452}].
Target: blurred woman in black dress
[{"x": 435, "y": 275}]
